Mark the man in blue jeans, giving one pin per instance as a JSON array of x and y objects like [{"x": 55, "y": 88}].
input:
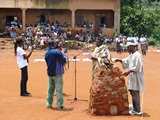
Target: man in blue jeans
[{"x": 55, "y": 61}]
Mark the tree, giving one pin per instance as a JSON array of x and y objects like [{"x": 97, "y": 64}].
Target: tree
[{"x": 139, "y": 17}]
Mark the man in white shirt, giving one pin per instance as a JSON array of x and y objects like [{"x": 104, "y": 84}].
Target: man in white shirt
[
  {"x": 22, "y": 62},
  {"x": 134, "y": 66}
]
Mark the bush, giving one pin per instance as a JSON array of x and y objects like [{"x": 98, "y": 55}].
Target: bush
[
  {"x": 72, "y": 44},
  {"x": 153, "y": 42},
  {"x": 156, "y": 33}
]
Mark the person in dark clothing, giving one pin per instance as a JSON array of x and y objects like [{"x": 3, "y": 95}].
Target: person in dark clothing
[{"x": 55, "y": 61}]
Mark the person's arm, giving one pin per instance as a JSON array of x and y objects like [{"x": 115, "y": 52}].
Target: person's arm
[
  {"x": 127, "y": 72},
  {"x": 125, "y": 65},
  {"x": 27, "y": 56},
  {"x": 137, "y": 66},
  {"x": 62, "y": 57},
  {"x": 118, "y": 60},
  {"x": 93, "y": 58},
  {"x": 46, "y": 58}
]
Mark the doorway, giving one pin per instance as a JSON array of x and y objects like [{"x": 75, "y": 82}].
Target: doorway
[
  {"x": 42, "y": 19},
  {"x": 9, "y": 19},
  {"x": 103, "y": 21}
]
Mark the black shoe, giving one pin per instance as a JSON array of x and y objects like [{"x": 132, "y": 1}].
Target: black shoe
[
  {"x": 25, "y": 94},
  {"x": 60, "y": 108},
  {"x": 28, "y": 93}
]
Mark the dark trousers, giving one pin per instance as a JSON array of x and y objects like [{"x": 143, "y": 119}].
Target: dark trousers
[
  {"x": 135, "y": 100},
  {"x": 24, "y": 79}
]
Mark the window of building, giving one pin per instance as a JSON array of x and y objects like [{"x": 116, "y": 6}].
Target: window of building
[
  {"x": 9, "y": 19},
  {"x": 80, "y": 20}
]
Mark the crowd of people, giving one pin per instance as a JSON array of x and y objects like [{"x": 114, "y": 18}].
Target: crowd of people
[
  {"x": 39, "y": 34},
  {"x": 121, "y": 43}
]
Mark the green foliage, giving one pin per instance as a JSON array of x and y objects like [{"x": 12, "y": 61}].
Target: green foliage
[
  {"x": 156, "y": 33},
  {"x": 140, "y": 17},
  {"x": 72, "y": 44},
  {"x": 152, "y": 42}
]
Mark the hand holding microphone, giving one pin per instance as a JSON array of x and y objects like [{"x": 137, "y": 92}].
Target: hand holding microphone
[{"x": 30, "y": 48}]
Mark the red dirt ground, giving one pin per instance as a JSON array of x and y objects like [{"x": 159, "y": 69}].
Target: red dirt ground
[{"x": 14, "y": 107}]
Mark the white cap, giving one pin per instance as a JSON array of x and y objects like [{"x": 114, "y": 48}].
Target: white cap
[{"x": 132, "y": 44}]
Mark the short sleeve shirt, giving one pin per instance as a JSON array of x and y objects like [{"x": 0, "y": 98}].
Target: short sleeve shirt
[{"x": 21, "y": 61}]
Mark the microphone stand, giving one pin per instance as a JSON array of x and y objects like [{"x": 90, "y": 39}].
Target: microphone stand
[{"x": 75, "y": 78}]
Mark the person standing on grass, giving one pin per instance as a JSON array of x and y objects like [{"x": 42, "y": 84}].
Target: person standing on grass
[
  {"x": 55, "y": 61},
  {"x": 134, "y": 65},
  {"x": 22, "y": 62}
]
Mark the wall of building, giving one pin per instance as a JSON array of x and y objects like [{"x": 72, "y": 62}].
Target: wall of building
[
  {"x": 42, "y": 4},
  {"x": 60, "y": 4},
  {"x": 7, "y": 3},
  {"x": 94, "y": 17},
  {"x": 52, "y": 15},
  {"x": 92, "y": 4}
]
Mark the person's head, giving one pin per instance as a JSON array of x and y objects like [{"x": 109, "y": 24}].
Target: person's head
[
  {"x": 51, "y": 44},
  {"x": 15, "y": 18},
  {"x": 18, "y": 43},
  {"x": 99, "y": 42},
  {"x": 60, "y": 45},
  {"x": 131, "y": 47}
]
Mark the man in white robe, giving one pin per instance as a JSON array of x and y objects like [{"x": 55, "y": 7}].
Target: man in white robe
[{"x": 134, "y": 66}]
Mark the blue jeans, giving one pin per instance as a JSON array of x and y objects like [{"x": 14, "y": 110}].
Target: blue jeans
[{"x": 55, "y": 83}]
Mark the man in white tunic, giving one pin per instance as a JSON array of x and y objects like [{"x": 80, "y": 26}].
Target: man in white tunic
[{"x": 134, "y": 66}]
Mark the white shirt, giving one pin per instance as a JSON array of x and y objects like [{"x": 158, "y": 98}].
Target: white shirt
[
  {"x": 134, "y": 62},
  {"x": 21, "y": 61}
]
